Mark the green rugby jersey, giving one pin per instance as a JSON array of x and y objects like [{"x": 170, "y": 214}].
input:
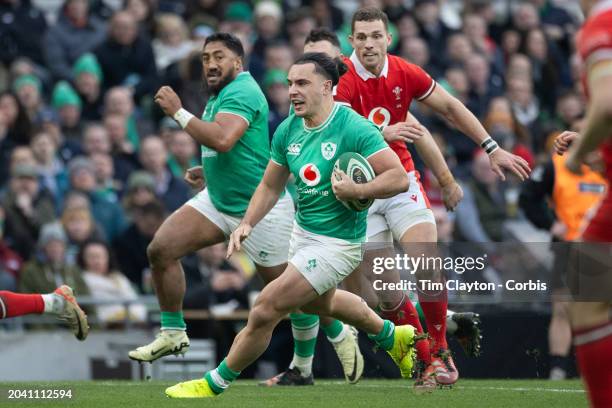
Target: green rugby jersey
[
  {"x": 232, "y": 177},
  {"x": 310, "y": 154}
]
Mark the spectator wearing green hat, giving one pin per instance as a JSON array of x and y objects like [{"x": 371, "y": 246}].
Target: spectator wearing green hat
[
  {"x": 276, "y": 89},
  {"x": 88, "y": 81},
  {"x": 75, "y": 33},
  {"x": 238, "y": 18},
  {"x": 28, "y": 89},
  {"x": 68, "y": 105}
]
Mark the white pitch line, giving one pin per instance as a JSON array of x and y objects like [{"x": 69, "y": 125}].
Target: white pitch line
[
  {"x": 538, "y": 389},
  {"x": 403, "y": 386}
]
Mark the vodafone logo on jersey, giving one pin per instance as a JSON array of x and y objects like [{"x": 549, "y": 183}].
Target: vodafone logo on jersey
[
  {"x": 310, "y": 174},
  {"x": 380, "y": 116}
]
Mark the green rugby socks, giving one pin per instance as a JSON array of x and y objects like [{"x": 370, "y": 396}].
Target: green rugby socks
[
  {"x": 172, "y": 321},
  {"x": 305, "y": 328},
  {"x": 221, "y": 377},
  {"x": 335, "y": 332},
  {"x": 386, "y": 336}
]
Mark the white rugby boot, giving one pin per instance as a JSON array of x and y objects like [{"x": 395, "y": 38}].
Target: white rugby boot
[
  {"x": 350, "y": 355},
  {"x": 166, "y": 343}
]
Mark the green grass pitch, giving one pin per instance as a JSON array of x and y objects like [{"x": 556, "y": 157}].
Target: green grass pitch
[{"x": 326, "y": 393}]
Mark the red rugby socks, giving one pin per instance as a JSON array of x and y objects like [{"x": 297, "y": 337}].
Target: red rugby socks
[{"x": 17, "y": 304}]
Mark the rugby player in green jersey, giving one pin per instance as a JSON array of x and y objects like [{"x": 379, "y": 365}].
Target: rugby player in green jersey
[
  {"x": 233, "y": 135},
  {"x": 465, "y": 326},
  {"x": 327, "y": 237}
]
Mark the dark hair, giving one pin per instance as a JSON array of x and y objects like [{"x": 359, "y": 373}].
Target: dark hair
[
  {"x": 370, "y": 14},
  {"x": 299, "y": 14},
  {"x": 148, "y": 23},
  {"x": 322, "y": 34},
  {"x": 38, "y": 130},
  {"x": 112, "y": 262},
  {"x": 325, "y": 34},
  {"x": 229, "y": 40},
  {"x": 567, "y": 93},
  {"x": 324, "y": 65},
  {"x": 20, "y": 131},
  {"x": 341, "y": 66}
]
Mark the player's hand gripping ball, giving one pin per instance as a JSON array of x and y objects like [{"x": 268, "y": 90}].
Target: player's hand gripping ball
[{"x": 357, "y": 168}]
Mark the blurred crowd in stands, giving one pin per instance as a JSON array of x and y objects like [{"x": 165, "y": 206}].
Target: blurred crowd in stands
[{"x": 90, "y": 167}]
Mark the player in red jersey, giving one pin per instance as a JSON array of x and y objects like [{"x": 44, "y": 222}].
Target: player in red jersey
[
  {"x": 381, "y": 87},
  {"x": 60, "y": 303},
  {"x": 591, "y": 321}
]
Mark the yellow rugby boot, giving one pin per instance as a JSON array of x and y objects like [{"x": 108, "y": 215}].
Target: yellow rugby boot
[
  {"x": 403, "y": 352},
  {"x": 191, "y": 389}
]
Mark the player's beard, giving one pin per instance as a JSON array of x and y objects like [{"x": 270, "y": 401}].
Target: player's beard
[{"x": 223, "y": 82}]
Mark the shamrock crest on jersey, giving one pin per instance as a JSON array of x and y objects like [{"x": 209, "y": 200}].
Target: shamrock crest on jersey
[{"x": 328, "y": 150}]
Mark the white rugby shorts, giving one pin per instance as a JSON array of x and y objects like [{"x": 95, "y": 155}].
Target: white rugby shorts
[
  {"x": 390, "y": 218},
  {"x": 268, "y": 243},
  {"x": 323, "y": 261}
]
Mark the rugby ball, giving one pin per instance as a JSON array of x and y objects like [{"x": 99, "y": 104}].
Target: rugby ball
[{"x": 359, "y": 170}]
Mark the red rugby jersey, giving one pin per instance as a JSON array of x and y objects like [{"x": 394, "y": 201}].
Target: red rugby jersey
[
  {"x": 385, "y": 100},
  {"x": 594, "y": 43}
]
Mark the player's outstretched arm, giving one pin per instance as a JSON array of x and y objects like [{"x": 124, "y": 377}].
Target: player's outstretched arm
[
  {"x": 599, "y": 116},
  {"x": 220, "y": 134},
  {"x": 265, "y": 197},
  {"x": 456, "y": 113},
  {"x": 391, "y": 179},
  {"x": 459, "y": 116}
]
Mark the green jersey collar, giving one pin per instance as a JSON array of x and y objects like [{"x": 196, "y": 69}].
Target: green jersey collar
[{"x": 325, "y": 123}]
